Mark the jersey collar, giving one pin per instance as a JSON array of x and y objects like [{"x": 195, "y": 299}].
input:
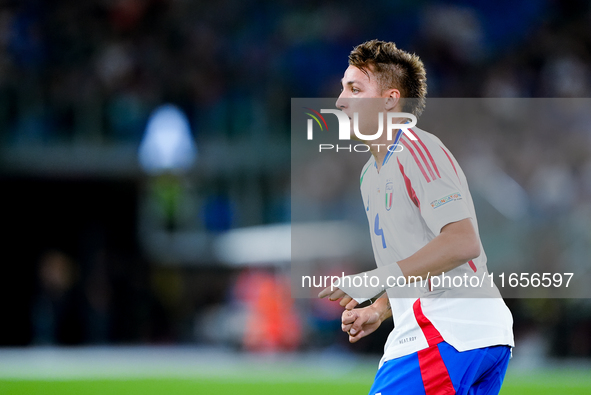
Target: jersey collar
[{"x": 389, "y": 154}]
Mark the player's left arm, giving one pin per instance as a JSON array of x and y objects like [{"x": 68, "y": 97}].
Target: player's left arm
[
  {"x": 456, "y": 244},
  {"x": 442, "y": 198}
]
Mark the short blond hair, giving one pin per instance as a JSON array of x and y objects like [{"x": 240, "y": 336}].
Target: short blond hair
[{"x": 394, "y": 69}]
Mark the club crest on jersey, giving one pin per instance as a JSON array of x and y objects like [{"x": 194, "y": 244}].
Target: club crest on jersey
[
  {"x": 446, "y": 199},
  {"x": 389, "y": 194}
]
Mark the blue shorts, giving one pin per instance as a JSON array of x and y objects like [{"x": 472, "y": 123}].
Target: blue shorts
[{"x": 441, "y": 369}]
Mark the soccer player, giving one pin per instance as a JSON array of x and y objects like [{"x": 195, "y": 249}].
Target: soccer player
[{"x": 447, "y": 339}]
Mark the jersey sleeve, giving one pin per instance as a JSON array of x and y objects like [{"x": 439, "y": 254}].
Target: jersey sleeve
[{"x": 434, "y": 182}]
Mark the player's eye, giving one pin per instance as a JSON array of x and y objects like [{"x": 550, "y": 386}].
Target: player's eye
[{"x": 354, "y": 90}]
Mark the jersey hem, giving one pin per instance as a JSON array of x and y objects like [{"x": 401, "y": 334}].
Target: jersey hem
[{"x": 466, "y": 346}]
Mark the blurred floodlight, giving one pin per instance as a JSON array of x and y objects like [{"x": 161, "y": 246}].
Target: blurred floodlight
[
  {"x": 255, "y": 245},
  {"x": 277, "y": 244},
  {"x": 327, "y": 240},
  {"x": 167, "y": 144}
]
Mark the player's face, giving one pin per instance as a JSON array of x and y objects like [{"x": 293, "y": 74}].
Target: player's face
[{"x": 361, "y": 94}]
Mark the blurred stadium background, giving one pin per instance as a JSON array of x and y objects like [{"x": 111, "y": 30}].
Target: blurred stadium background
[{"x": 145, "y": 175}]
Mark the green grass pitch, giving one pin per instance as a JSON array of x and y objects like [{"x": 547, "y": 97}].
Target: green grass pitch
[{"x": 541, "y": 383}]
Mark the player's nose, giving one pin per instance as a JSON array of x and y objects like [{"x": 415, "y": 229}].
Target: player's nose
[{"x": 341, "y": 102}]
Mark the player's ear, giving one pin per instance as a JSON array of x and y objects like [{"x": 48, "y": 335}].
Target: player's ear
[{"x": 392, "y": 99}]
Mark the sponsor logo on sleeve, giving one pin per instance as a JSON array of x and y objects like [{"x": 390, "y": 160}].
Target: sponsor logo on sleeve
[{"x": 446, "y": 199}]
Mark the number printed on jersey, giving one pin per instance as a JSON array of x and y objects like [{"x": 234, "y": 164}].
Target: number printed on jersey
[{"x": 379, "y": 231}]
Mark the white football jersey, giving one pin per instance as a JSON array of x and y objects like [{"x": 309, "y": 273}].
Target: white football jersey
[{"x": 417, "y": 192}]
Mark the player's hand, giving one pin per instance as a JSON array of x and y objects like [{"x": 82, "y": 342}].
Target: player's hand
[
  {"x": 359, "y": 323},
  {"x": 334, "y": 293}
]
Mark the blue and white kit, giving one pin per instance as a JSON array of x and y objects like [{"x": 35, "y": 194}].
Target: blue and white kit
[{"x": 415, "y": 194}]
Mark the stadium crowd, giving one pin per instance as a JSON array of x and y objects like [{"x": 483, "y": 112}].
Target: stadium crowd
[{"x": 91, "y": 72}]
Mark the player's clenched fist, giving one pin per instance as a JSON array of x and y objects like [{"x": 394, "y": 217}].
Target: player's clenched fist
[{"x": 359, "y": 323}]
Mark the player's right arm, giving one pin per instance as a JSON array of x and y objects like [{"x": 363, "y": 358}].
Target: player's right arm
[{"x": 359, "y": 323}]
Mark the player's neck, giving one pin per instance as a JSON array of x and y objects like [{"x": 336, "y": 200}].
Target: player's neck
[
  {"x": 379, "y": 150},
  {"x": 379, "y": 158},
  {"x": 379, "y": 147}
]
